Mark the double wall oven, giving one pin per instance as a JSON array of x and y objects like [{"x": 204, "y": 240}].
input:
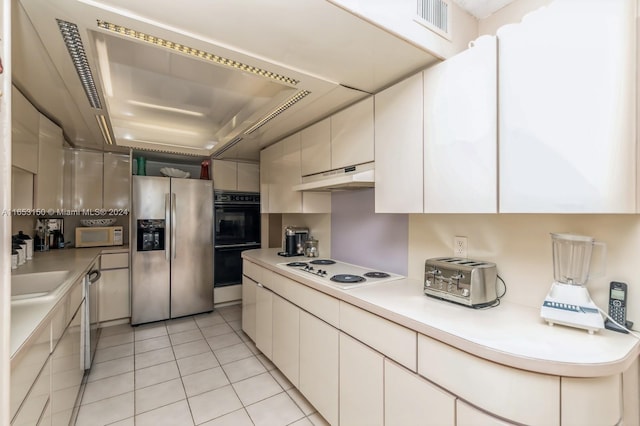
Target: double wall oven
[{"x": 237, "y": 228}]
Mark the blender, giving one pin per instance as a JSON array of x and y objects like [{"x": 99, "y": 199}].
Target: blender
[{"x": 568, "y": 301}]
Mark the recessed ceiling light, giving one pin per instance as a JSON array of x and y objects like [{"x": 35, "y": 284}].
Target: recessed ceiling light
[{"x": 201, "y": 54}]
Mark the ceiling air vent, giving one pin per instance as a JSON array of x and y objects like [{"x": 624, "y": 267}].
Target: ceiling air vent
[{"x": 435, "y": 15}]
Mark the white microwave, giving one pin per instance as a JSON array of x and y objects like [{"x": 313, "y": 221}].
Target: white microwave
[{"x": 98, "y": 236}]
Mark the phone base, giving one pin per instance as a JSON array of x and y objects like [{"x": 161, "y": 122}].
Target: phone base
[{"x": 608, "y": 324}]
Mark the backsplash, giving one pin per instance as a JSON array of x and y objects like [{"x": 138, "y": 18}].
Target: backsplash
[
  {"x": 362, "y": 237},
  {"x": 520, "y": 245}
]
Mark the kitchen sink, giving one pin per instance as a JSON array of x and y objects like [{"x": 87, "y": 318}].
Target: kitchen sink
[{"x": 37, "y": 284}]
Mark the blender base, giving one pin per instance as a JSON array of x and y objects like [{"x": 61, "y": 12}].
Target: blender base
[{"x": 571, "y": 305}]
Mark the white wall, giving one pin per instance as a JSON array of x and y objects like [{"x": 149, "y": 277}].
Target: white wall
[{"x": 520, "y": 245}]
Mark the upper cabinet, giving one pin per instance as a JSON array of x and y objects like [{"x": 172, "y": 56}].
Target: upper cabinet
[
  {"x": 48, "y": 182},
  {"x": 342, "y": 140},
  {"x": 315, "y": 148},
  {"x": 352, "y": 135},
  {"x": 25, "y": 131},
  {"x": 436, "y": 137},
  {"x": 399, "y": 147},
  {"x": 236, "y": 176},
  {"x": 567, "y": 109},
  {"x": 97, "y": 180},
  {"x": 280, "y": 170},
  {"x": 116, "y": 181},
  {"x": 460, "y": 132}
]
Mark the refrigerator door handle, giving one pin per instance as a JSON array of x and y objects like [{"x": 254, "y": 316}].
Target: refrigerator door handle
[
  {"x": 167, "y": 221},
  {"x": 173, "y": 225}
]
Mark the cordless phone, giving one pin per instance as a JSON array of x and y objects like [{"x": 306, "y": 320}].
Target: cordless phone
[{"x": 617, "y": 306}]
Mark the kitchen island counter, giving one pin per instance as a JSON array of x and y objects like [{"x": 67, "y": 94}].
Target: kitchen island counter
[
  {"x": 508, "y": 334},
  {"x": 28, "y": 314}
]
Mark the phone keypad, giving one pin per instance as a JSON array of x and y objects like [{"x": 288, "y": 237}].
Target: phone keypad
[{"x": 616, "y": 311}]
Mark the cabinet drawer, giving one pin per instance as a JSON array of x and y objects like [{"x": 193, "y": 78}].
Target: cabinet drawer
[
  {"x": 466, "y": 415},
  {"x": 518, "y": 395},
  {"x": 34, "y": 405},
  {"x": 389, "y": 338},
  {"x": 115, "y": 260},
  {"x": 319, "y": 304},
  {"x": 252, "y": 271}
]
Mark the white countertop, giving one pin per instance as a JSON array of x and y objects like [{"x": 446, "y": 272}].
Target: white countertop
[
  {"x": 508, "y": 334},
  {"x": 27, "y": 315}
]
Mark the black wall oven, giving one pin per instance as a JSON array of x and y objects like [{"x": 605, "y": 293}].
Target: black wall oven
[{"x": 237, "y": 228}]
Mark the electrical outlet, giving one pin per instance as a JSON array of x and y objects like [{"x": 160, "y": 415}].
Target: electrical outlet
[{"x": 460, "y": 246}]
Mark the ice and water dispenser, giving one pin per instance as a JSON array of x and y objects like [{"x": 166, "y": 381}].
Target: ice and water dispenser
[{"x": 151, "y": 234}]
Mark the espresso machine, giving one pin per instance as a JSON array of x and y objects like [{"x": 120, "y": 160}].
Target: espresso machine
[
  {"x": 293, "y": 241},
  {"x": 568, "y": 301}
]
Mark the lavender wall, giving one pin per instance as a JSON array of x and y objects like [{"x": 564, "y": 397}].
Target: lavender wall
[{"x": 362, "y": 237}]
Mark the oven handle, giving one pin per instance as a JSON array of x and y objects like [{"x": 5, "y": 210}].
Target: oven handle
[{"x": 232, "y": 246}]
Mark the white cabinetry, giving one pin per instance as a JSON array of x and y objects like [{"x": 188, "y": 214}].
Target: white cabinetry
[
  {"x": 48, "y": 184},
  {"x": 45, "y": 372},
  {"x": 352, "y": 135},
  {"x": 279, "y": 172},
  {"x": 567, "y": 121},
  {"x": 114, "y": 298},
  {"x": 87, "y": 179},
  {"x": 66, "y": 376},
  {"x": 534, "y": 400},
  {"x": 399, "y": 147},
  {"x": 460, "y": 132},
  {"x": 319, "y": 365},
  {"x": 286, "y": 338},
  {"x": 117, "y": 181},
  {"x": 235, "y": 176},
  {"x": 21, "y": 189},
  {"x": 361, "y": 384},
  {"x": 436, "y": 137},
  {"x": 264, "y": 321},
  {"x": 466, "y": 415},
  {"x": 25, "y": 129},
  {"x": 591, "y": 401},
  {"x": 411, "y": 400},
  {"x": 249, "y": 290},
  {"x": 315, "y": 143}
]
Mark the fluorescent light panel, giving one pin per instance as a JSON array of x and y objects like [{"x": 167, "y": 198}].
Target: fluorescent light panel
[
  {"x": 104, "y": 128},
  {"x": 72, "y": 40},
  {"x": 201, "y": 54},
  {"x": 276, "y": 112}
]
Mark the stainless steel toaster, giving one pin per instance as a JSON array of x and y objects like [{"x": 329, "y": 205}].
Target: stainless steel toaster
[{"x": 464, "y": 281}]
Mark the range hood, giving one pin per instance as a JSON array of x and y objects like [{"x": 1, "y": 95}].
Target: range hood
[{"x": 352, "y": 177}]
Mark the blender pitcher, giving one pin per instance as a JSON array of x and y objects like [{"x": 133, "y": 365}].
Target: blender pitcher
[{"x": 572, "y": 258}]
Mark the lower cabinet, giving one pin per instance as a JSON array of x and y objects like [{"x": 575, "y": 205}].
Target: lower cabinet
[
  {"x": 319, "y": 365},
  {"x": 360, "y": 371},
  {"x": 361, "y": 384},
  {"x": 66, "y": 374},
  {"x": 46, "y": 373},
  {"x": 467, "y": 415},
  {"x": 114, "y": 295},
  {"x": 411, "y": 400},
  {"x": 249, "y": 289},
  {"x": 35, "y": 407},
  {"x": 264, "y": 317},
  {"x": 286, "y": 338}
]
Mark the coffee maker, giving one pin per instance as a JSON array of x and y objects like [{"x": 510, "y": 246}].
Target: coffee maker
[{"x": 293, "y": 240}]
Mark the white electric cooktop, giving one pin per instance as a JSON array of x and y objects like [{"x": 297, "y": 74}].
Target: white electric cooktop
[{"x": 338, "y": 274}]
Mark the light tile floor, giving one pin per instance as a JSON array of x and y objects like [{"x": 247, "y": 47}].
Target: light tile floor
[{"x": 200, "y": 370}]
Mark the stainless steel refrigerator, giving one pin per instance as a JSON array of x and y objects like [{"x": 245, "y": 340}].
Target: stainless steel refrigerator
[{"x": 171, "y": 248}]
